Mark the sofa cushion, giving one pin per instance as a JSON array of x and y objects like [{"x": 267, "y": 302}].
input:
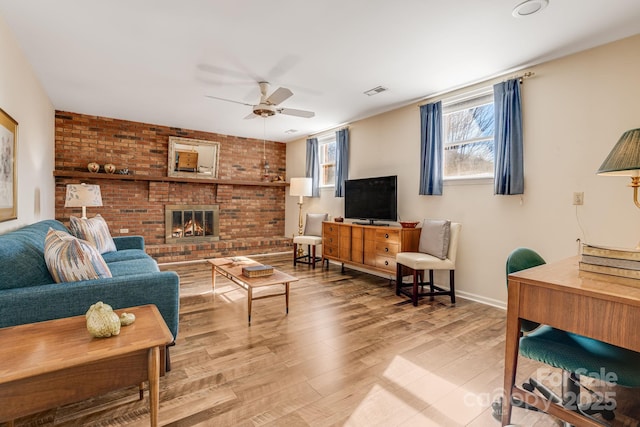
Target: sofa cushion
[
  {"x": 70, "y": 259},
  {"x": 95, "y": 231},
  {"x": 124, "y": 255},
  {"x": 22, "y": 255},
  {"x": 133, "y": 266}
]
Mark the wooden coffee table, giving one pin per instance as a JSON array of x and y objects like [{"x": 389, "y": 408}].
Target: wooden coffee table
[
  {"x": 53, "y": 363},
  {"x": 231, "y": 268}
]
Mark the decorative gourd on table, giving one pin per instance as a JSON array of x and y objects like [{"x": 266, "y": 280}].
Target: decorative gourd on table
[
  {"x": 127, "y": 318},
  {"x": 103, "y": 322}
]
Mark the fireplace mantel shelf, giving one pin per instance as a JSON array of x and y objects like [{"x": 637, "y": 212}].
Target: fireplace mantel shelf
[{"x": 90, "y": 175}]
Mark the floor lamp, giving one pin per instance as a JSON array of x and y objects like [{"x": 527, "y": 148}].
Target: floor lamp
[
  {"x": 300, "y": 187},
  {"x": 83, "y": 195}
]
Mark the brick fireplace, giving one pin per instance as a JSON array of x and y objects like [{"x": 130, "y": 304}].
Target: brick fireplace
[{"x": 250, "y": 211}]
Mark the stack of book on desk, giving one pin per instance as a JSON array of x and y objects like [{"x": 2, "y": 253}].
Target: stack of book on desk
[{"x": 612, "y": 261}]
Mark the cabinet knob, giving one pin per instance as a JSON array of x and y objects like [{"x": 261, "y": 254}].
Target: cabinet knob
[
  {"x": 386, "y": 263},
  {"x": 386, "y": 235},
  {"x": 386, "y": 249}
]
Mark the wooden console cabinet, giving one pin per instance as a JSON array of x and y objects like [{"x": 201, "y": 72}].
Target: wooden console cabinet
[{"x": 372, "y": 247}]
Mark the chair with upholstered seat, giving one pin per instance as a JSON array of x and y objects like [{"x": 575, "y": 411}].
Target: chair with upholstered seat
[
  {"x": 574, "y": 354},
  {"x": 437, "y": 251},
  {"x": 312, "y": 237}
]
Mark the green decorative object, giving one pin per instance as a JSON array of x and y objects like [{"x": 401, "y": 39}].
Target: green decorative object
[{"x": 102, "y": 322}]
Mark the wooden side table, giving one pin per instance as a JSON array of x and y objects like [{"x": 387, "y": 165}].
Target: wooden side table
[{"x": 53, "y": 363}]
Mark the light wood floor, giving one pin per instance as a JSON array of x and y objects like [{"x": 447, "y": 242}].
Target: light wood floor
[{"x": 349, "y": 353}]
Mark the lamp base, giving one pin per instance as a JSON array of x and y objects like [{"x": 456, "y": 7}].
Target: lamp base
[{"x": 300, "y": 250}]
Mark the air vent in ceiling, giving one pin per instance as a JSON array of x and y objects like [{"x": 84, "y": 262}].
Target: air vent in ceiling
[{"x": 375, "y": 90}]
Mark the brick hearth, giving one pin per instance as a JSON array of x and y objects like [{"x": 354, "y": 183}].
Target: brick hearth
[{"x": 251, "y": 216}]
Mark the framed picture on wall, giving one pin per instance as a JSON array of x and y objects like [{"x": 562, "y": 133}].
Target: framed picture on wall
[{"x": 8, "y": 166}]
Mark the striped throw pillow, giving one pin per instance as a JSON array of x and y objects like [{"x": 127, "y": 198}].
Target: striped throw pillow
[
  {"x": 70, "y": 259},
  {"x": 95, "y": 231}
]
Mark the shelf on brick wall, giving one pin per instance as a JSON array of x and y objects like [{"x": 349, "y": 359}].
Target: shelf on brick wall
[{"x": 89, "y": 175}]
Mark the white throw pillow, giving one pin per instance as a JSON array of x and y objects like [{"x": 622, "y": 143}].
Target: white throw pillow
[{"x": 434, "y": 237}]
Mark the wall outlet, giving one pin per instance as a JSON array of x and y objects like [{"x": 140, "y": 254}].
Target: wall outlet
[
  {"x": 124, "y": 230},
  {"x": 578, "y": 198}
]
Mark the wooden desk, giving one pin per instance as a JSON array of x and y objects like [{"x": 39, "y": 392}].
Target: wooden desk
[
  {"x": 559, "y": 295},
  {"x": 53, "y": 363}
]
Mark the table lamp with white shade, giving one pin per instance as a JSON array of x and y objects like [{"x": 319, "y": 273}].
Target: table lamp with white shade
[
  {"x": 83, "y": 195},
  {"x": 300, "y": 187}
]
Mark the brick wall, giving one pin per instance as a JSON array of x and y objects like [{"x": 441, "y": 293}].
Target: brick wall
[{"x": 251, "y": 217}]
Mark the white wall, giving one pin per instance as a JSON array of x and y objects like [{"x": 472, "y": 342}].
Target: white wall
[
  {"x": 575, "y": 109},
  {"x": 23, "y": 98}
]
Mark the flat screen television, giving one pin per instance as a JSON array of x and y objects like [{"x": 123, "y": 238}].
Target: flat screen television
[{"x": 371, "y": 199}]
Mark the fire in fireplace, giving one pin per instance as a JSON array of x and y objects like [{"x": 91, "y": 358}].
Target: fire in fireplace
[{"x": 191, "y": 223}]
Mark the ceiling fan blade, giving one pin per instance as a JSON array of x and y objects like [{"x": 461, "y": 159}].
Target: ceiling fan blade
[
  {"x": 251, "y": 115},
  {"x": 297, "y": 113},
  {"x": 228, "y": 100},
  {"x": 279, "y": 95}
]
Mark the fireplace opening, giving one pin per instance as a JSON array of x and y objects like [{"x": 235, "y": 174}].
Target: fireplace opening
[{"x": 191, "y": 223}]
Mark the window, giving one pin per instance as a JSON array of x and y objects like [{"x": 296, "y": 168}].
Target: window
[
  {"x": 468, "y": 136},
  {"x": 327, "y": 160}
]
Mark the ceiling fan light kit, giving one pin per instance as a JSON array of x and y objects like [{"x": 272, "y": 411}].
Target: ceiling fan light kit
[{"x": 267, "y": 105}]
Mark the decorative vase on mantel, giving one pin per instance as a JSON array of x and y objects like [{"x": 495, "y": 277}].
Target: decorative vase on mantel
[
  {"x": 93, "y": 167},
  {"x": 110, "y": 168}
]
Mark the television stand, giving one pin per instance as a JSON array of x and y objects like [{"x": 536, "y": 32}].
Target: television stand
[
  {"x": 372, "y": 222},
  {"x": 371, "y": 247}
]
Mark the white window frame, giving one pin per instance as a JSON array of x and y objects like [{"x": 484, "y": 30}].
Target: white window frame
[
  {"x": 457, "y": 103},
  {"x": 322, "y": 141}
]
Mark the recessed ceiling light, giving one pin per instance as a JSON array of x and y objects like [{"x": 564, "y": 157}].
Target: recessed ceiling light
[{"x": 529, "y": 7}]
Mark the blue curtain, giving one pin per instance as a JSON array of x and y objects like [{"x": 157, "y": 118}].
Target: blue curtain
[
  {"x": 342, "y": 160},
  {"x": 509, "y": 169},
  {"x": 313, "y": 166},
  {"x": 431, "y": 150}
]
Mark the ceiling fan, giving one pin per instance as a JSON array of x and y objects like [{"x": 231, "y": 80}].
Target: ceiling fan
[{"x": 268, "y": 104}]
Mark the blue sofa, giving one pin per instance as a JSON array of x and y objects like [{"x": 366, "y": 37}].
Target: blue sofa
[{"x": 29, "y": 294}]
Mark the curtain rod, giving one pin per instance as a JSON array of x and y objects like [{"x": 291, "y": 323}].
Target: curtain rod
[
  {"x": 326, "y": 131},
  {"x": 520, "y": 77}
]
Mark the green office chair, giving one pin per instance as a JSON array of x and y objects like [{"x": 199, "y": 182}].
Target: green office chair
[{"x": 575, "y": 354}]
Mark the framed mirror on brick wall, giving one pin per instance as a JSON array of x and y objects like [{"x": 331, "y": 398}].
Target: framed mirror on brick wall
[{"x": 193, "y": 158}]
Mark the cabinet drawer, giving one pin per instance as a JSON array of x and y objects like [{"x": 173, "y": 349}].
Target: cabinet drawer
[
  {"x": 330, "y": 240},
  {"x": 330, "y": 229},
  {"x": 392, "y": 236},
  {"x": 330, "y": 250},
  {"x": 388, "y": 249},
  {"x": 386, "y": 263}
]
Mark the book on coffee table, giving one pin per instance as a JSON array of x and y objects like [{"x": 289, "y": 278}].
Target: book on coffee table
[{"x": 257, "y": 270}]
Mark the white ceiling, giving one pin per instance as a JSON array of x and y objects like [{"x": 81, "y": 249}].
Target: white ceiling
[{"x": 154, "y": 61}]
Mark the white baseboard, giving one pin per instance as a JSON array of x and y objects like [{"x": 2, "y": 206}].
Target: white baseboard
[
  {"x": 482, "y": 300},
  {"x": 461, "y": 294}
]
